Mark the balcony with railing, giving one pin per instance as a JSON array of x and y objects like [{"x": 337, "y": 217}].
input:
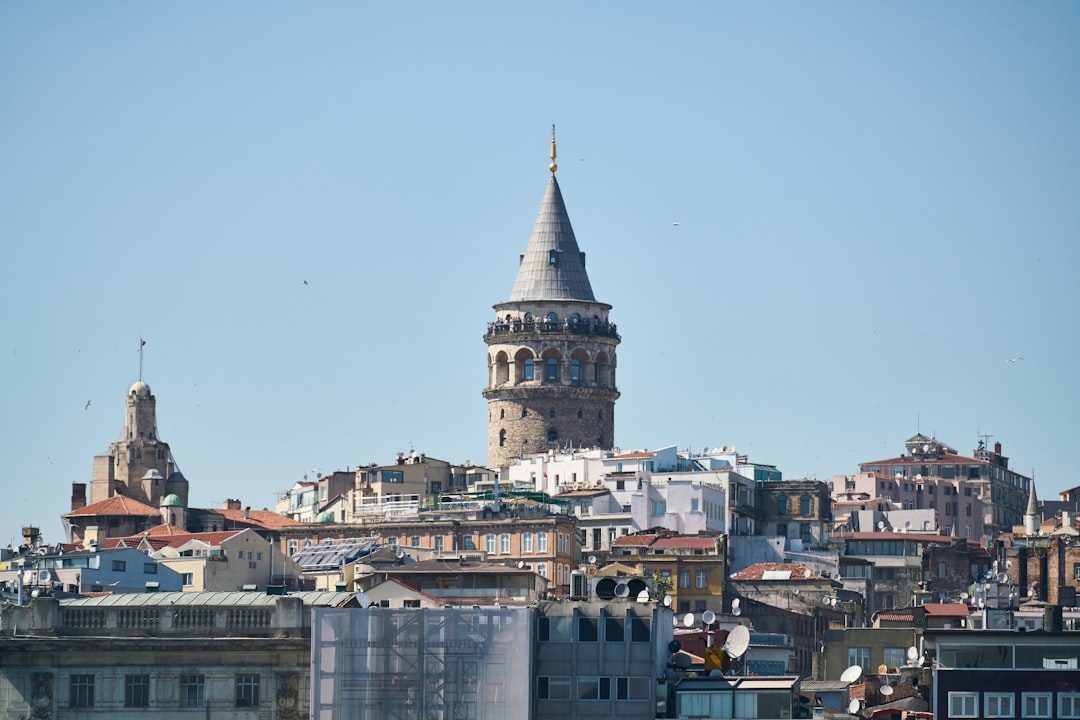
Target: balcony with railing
[{"x": 542, "y": 327}]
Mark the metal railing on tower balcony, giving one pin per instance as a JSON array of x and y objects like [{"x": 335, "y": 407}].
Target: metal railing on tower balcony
[{"x": 536, "y": 327}]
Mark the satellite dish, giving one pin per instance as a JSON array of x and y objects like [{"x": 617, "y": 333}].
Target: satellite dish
[
  {"x": 964, "y": 596},
  {"x": 737, "y": 641},
  {"x": 43, "y": 575},
  {"x": 676, "y": 620},
  {"x": 827, "y": 600},
  {"x": 907, "y": 524},
  {"x": 643, "y": 596},
  {"x": 736, "y": 611},
  {"x": 735, "y": 603},
  {"x": 674, "y": 646},
  {"x": 399, "y": 554},
  {"x": 521, "y": 564},
  {"x": 716, "y": 672},
  {"x": 853, "y": 706},
  {"x": 795, "y": 591},
  {"x": 621, "y": 590},
  {"x": 667, "y": 601},
  {"x": 682, "y": 660},
  {"x": 592, "y": 559},
  {"x": 886, "y": 690},
  {"x": 688, "y": 620},
  {"x": 852, "y": 674},
  {"x": 708, "y": 617},
  {"x": 1008, "y": 563},
  {"x": 1002, "y": 578},
  {"x": 912, "y": 653}
]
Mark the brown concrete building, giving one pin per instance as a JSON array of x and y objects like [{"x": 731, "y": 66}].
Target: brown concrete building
[{"x": 696, "y": 566}]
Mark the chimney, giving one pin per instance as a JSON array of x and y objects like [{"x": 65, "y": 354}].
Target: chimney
[
  {"x": 997, "y": 448},
  {"x": 78, "y": 495},
  {"x": 231, "y": 504},
  {"x": 247, "y": 513}
]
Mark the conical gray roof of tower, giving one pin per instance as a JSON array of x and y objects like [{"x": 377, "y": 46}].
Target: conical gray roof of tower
[{"x": 538, "y": 277}]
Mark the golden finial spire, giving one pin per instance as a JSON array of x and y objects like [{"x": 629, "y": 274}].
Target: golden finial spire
[{"x": 553, "y": 167}]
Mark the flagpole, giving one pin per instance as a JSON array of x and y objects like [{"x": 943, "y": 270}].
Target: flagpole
[{"x": 141, "y": 343}]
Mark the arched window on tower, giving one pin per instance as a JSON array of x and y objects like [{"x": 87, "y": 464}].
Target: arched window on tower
[
  {"x": 553, "y": 436},
  {"x": 575, "y": 369},
  {"x": 502, "y": 413},
  {"x": 552, "y": 369},
  {"x": 580, "y": 414},
  {"x": 502, "y": 438},
  {"x": 524, "y": 412},
  {"x": 528, "y": 369},
  {"x": 551, "y": 413}
]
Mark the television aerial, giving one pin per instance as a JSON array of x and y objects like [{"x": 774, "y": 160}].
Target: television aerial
[
  {"x": 737, "y": 641},
  {"x": 852, "y": 674}
]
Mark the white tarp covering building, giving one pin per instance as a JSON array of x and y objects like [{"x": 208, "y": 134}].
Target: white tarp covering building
[{"x": 431, "y": 664}]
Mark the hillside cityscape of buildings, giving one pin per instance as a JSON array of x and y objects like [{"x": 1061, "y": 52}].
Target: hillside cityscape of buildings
[{"x": 564, "y": 578}]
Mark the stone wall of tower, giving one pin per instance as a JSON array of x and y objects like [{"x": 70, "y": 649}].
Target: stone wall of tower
[{"x": 582, "y": 418}]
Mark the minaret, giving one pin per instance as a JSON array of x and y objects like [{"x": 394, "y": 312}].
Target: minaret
[
  {"x": 1031, "y": 516},
  {"x": 551, "y": 348},
  {"x": 137, "y": 465}
]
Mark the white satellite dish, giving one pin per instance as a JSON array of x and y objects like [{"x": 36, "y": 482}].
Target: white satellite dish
[
  {"x": 621, "y": 590},
  {"x": 736, "y": 611},
  {"x": 1002, "y": 578},
  {"x": 592, "y": 559},
  {"x": 643, "y": 596},
  {"x": 851, "y": 674},
  {"x": 399, "y": 554},
  {"x": 853, "y": 706},
  {"x": 827, "y": 600},
  {"x": 43, "y": 575},
  {"x": 521, "y": 564},
  {"x": 688, "y": 620},
  {"x": 737, "y": 641},
  {"x": 708, "y": 617},
  {"x": 667, "y": 601},
  {"x": 886, "y": 690},
  {"x": 675, "y": 620},
  {"x": 881, "y": 525},
  {"x": 735, "y": 603},
  {"x": 964, "y": 596},
  {"x": 912, "y": 653},
  {"x": 795, "y": 591}
]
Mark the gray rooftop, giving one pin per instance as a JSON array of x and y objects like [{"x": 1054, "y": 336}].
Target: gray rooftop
[
  {"x": 210, "y": 599},
  {"x": 552, "y": 267}
]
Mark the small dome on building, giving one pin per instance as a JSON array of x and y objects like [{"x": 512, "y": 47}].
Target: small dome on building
[
  {"x": 171, "y": 500},
  {"x": 139, "y": 389},
  {"x": 326, "y": 516},
  {"x": 153, "y": 475}
]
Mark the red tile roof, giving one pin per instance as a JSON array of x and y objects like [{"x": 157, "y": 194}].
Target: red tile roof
[
  {"x": 756, "y": 572},
  {"x": 946, "y": 609},
  {"x": 116, "y": 505},
  {"x": 258, "y": 518},
  {"x": 634, "y": 541},
  {"x": 891, "y": 617},
  {"x": 686, "y": 542}
]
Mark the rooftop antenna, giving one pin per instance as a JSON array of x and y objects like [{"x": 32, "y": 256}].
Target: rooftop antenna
[
  {"x": 142, "y": 343},
  {"x": 553, "y": 167}
]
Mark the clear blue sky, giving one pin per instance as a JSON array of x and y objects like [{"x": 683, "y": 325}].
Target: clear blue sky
[{"x": 878, "y": 207}]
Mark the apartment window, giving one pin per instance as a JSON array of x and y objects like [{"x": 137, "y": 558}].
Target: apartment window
[
  {"x": 859, "y": 656},
  {"x": 187, "y": 579},
  {"x": 588, "y": 629},
  {"x": 1069, "y": 705},
  {"x": 119, "y": 566},
  {"x": 963, "y": 705},
  {"x": 781, "y": 505},
  {"x": 193, "y": 691},
  {"x": 489, "y": 544},
  {"x": 632, "y": 688},
  {"x": 1076, "y": 571},
  {"x": 895, "y": 657},
  {"x": 136, "y": 691},
  {"x": 1035, "y": 705},
  {"x": 293, "y": 547},
  {"x": 553, "y": 687},
  {"x": 541, "y": 542},
  {"x": 695, "y": 505},
  {"x": 998, "y": 705},
  {"x": 700, "y": 580},
  {"x": 438, "y": 543},
  {"x": 149, "y": 568},
  {"x": 527, "y": 542},
  {"x": 552, "y": 369},
  {"x": 594, "y": 688},
  {"x": 613, "y": 629},
  {"x": 247, "y": 690},
  {"x": 469, "y": 543},
  {"x": 804, "y": 505},
  {"x": 414, "y": 541},
  {"x": 640, "y": 630},
  {"x": 541, "y": 570},
  {"x": 81, "y": 693},
  {"x": 504, "y": 544},
  {"x": 659, "y": 508}
]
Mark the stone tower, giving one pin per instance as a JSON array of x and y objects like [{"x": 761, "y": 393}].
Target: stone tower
[
  {"x": 551, "y": 348},
  {"x": 138, "y": 465}
]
